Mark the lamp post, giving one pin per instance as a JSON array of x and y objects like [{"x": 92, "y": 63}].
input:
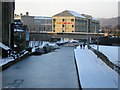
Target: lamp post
[
  {"x": 88, "y": 29},
  {"x": 97, "y": 31},
  {"x": 98, "y": 40}
]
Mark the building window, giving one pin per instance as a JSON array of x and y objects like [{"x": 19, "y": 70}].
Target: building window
[
  {"x": 54, "y": 25},
  {"x": 72, "y": 20},
  {"x": 53, "y": 30},
  {"x": 72, "y": 25},
  {"x": 54, "y": 20},
  {"x": 63, "y": 25},
  {"x": 62, "y": 30},
  {"x": 63, "y": 20}
]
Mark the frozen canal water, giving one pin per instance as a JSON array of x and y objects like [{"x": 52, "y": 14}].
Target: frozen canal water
[{"x": 53, "y": 70}]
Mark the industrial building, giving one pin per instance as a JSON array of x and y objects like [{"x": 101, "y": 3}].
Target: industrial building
[
  {"x": 43, "y": 24},
  {"x": 70, "y": 21},
  {"x": 19, "y": 36},
  {"x": 26, "y": 20},
  {"x": 6, "y": 19},
  {"x": 35, "y": 23}
]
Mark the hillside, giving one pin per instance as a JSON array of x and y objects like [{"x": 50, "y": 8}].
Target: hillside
[{"x": 109, "y": 21}]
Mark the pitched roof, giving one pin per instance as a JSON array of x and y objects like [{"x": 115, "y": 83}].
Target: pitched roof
[
  {"x": 76, "y": 14},
  {"x": 94, "y": 19},
  {"x": 69, "y": 13},
  {"x": 41, "y": 17}
]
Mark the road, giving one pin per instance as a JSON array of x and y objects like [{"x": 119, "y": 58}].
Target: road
[{"x": 53, "y": 70}]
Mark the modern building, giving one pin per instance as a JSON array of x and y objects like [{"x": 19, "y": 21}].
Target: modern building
[
  {"x": 43, "y": 23},
  {"x": 35, "y": 23},
  {"x": 70, "y": 21},
  {"x": 6, "y": 19}
]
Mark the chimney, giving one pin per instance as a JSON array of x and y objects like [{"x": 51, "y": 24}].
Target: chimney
[
  {"x": 27, "y": 13},
  {"x": 15, "y": 14},
  {"x": 21, "y": 14}
]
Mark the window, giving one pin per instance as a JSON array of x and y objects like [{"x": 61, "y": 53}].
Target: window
[
  {"x": 62, "y": 30},
  {"x": 72, "y": 25},
  {"x": 53, "y": 30},
  {"x": 54, "y": 20},
  {"x": 63, "y": 25},
  {"x": 72, "y": 20},
  {"x": 63, "y": 20},
  {"x": 54, "y": 25}
]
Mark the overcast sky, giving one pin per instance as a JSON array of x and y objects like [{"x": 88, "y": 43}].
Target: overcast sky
[{"x": 96, "y": 8}]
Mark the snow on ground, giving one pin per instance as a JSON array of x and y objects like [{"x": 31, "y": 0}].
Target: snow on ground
[
  {"x": 4, "y": 46},
  {"x": 35, "y": 43},
  {"x": 32, "y": 44},
  {"x": 40, "y": 44},
  {"x": 66, "y": 40},
  {"x": 74, "y": 41},
  {"x": 6, "y": 60},
  {"x": 62, "y": 41},
  {"x": 93, "y": 72},
  {"x": 110, "y": 51}
]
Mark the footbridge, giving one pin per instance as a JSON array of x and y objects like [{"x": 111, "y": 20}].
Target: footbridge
[
  {"x": 72, "y": 35},
  {"x": 75, "y": 35}
]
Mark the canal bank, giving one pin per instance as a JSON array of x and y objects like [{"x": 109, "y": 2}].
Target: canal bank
[
  {"x": 93, "y": 72},
  {"x": 13, "y": 61},
  {"x": 16, "y": 57},
  {"x": 106, "y": 60},
  {"x": 53, "y": 70}
]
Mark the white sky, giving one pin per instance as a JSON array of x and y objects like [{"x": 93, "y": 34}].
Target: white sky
[{"x": 96, "y": 8}]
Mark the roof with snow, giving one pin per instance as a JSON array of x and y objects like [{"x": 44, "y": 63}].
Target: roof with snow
[
  {"x": 69, "y": 13},
  {"x": 19, "y": 30},
  {"x": 41, "y": 17},
  {"x": 94, "y": 19},
  {"x": 4, "y": 46}
]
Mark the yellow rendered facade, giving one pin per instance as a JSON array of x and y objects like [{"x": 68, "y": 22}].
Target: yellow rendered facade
[{"x": 63, "y": 24}]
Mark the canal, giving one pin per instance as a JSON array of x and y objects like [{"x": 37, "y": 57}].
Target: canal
[{"x": 53, "y": 70}]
